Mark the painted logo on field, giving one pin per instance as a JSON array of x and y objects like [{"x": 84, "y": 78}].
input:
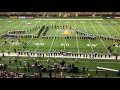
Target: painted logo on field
[{"x": 66, "y": 31}]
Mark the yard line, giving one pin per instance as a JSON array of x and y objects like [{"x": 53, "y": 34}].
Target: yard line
[
  {"x": 54, "y": 38},
  {"x": 40, "y": 27},
  {"x": 116, "y": 24},
  {"x": 65, "y": 39},
  {"x": 10, "y": 25},
  {"x": 99, "y": 37},
  {"x": 106, "y": 31},
  {"x": 112, "y": 27},
  {"x": 77, "y": 38},
  {"x": 64, "y": 44},
  {"x": 7, "y": 27},
  {"x": 38, "y": 45},
  {"x": 41, "y": 39},
  {"x": 88, "y": 39},
  {"x": 31, "y": 38},
  {"x": 3, "y": 42},
  {"x": 29, "y": 41},
  {"x": 17, "y": 26}
]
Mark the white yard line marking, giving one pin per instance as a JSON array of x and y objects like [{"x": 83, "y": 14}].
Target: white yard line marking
[
  {"x": 42, "y": 38},
  {"x": 38, "y": 45},
  {"x": 53, "y": 39},
  {"x": 99, "y": 38},
  {"x": 106, "y": 31},
  {"x": 29, "y": 41},
  {"x": 32, "y": 37},
  {"x": 112, "y": 28},
  {"x": 65, "y": 39},
  {"x": 17, "y": 26},
  {"x": 40, "y": 27},
  {"x": 7, "y": 27},
  {"x": 64, "y": 44},
  {"x": 116, "y": 24},
  {"x": 10, "y": 25},
  {"x": 3, "y": 42},
  {"x": 77, "y": 38},
  {"x": 88, "y": 39}
]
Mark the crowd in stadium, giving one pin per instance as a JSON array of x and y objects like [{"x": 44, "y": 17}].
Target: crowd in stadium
[{"x": 56, "y": 13}]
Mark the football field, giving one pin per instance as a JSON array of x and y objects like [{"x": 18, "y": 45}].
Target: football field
[{"x": 60, "y": 38}]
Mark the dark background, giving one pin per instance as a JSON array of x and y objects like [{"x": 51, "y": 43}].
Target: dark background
[{"x": 60, "y": 5}]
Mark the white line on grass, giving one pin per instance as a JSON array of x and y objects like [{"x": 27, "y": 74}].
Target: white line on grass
[
  {"x": 41, "y": 39},
  {"x": 116, "y": 24},
  {"x": 88, "y": 39},
  {"x": 76, "y": 38},
  {"x": 29, "y": 41},
  {"x": 3, "y": 42},
  {"x": 40, "y": 27},
  {"x": 65, "y": 39},
  {"x": 53, "y": 39},
  {"x": 106, "y": 31},
  {"x": 99, "y": 37},
  {"x": 38, "y": 45},
  {"x": 7, "y": 27},
  {"x": 17, "y": 26},
  {"x": 32, "y": 37},
  {"x": 112, "y": 27},
  {"x": 64, "y": 44}
]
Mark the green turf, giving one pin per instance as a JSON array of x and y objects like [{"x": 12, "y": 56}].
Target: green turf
[{"x": 89, "y": 26}]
